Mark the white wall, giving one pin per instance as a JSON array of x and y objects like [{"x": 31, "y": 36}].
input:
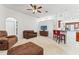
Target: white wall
[
  {"x": 49, "y": 22},
  {"x": 28, "y": 22},
  {"x": 2, "y": 17},
  {"x": 25, "y": 22}
]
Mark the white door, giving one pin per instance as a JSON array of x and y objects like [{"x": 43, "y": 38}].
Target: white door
[{"x": 11, "y": 27}]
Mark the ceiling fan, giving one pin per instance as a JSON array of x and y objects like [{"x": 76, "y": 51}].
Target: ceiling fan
[{"x": 35, "y": 8}]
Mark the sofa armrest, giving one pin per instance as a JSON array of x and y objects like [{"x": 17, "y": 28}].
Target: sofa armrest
[
  {"x": 12, "y": 40},
  {"x": 35, "y": 33},
  {"x": 11, "y": 36}
]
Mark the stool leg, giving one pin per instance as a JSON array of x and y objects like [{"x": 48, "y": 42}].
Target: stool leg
[
  {"x": 64, "y": 40},
  {"x": 59, "y": 39}
]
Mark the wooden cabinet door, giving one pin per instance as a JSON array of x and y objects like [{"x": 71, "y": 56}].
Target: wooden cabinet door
[{"x": 77, "y": 36}]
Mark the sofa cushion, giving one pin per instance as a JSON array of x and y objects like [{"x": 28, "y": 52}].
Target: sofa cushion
[
  {"x": 26, "y": 49},
  {"x": 3, "y": 33}
]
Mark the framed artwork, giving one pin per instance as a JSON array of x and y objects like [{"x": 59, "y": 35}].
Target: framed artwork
[{"x": 76, "y": 26}]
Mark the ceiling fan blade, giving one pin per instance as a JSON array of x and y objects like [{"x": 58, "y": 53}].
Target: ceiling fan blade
[
  {"x": 38, "y": 11},
  {"x": 40, "y": 7},
  {"x": 34, "y": 6},
  {"x": 29, "y": 9},
  {"x": 31, "y": 5}
]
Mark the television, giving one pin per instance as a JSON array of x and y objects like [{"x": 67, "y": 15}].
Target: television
[{"x": 43, "y": 28}]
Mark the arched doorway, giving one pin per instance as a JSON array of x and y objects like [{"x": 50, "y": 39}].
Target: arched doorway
[{"x": 11, "y": 26}]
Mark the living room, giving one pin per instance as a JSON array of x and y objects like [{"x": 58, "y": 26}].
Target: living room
[{"x": 38, "y": 27}]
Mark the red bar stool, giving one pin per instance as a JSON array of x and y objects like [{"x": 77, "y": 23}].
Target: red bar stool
[
  {"x": 58, "y": 36},
  {"x": 54, "y": 35},
  {"x": 62, "y": 37}
]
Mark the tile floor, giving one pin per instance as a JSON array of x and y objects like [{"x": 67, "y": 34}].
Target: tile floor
[{"x": 50, "y": 46}]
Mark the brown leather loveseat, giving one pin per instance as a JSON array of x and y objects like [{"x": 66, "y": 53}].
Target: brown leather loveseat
[
  {"x": 29, "y": 34},
  {"x": 6, "y": 41}
]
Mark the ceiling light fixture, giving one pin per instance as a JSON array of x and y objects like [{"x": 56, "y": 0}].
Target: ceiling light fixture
[{"x": 36, "y": 8}]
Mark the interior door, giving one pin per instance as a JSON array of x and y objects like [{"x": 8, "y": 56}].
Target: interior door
[{"x": 11, "y": 27}]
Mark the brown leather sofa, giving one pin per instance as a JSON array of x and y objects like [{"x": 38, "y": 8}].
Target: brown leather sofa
[
  {"x": 29, "y": 34},
  {"x": 6, "y": 41}
]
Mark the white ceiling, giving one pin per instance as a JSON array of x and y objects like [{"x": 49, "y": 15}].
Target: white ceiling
[{"x": 52, "y": 9}]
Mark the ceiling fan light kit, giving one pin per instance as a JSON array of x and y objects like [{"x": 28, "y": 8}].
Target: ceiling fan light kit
[{"x": 34, "y": 11}]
